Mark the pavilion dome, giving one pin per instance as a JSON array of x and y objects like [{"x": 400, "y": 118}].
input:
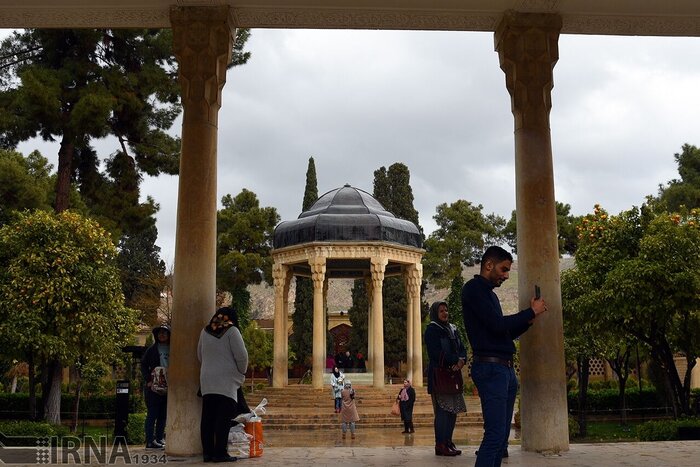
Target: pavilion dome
[{"x": 347, "y": 214}]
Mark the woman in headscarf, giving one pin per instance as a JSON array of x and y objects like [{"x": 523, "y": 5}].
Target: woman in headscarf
[
  {"x": 406, "y": 398},
  {"x": 348, "y": 413},
  {"x": 336, "y": 386},
  {"x": 446, "y": 350},
  {"x": 224, "y": 362}
]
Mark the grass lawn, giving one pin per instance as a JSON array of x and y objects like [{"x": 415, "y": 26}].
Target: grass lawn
[{"x": 609, "y": 432}]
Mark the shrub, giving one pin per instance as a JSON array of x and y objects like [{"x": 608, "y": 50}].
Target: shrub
[
  {"x": 135, "y": 428},
  {"x": 665, "y": 430},
  {"x": 16, "y": 406},
  {"x": 657, "y": 430},
  {"x": 607, "y": 400},
  {"x": 573, "y": 428},
  {"x": 33, "y": 429}
]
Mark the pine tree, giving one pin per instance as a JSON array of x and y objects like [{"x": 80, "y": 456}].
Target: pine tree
[{"x": 302, "y": 339}]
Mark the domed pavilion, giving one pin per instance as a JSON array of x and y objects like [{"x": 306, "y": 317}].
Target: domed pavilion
[{"x": 347, "y": 234}]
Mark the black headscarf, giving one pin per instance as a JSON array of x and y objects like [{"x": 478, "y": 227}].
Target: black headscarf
[
  {"x": 434, "y": 318},
  {"x": 223, "y": 319}
]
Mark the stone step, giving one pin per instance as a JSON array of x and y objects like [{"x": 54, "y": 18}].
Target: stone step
[{"x": 301, "y": 407}]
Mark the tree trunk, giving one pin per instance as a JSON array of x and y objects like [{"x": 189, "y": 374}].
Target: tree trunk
[
  {"x": 64, "y": 173},
  {"x": 32, "y": 386},
  {"x": 584, "y": 365},
  {"x": 52, "y": 400},
  {"x": 662, "y": 352},
  {"x": 76, "y": 402},
  {"x": 13, "y": 387}
]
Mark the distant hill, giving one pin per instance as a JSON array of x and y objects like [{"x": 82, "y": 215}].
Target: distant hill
[{"x": 340, "y": 298}]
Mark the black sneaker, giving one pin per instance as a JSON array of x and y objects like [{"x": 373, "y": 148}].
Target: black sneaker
[{"x": 154, "y": 445}]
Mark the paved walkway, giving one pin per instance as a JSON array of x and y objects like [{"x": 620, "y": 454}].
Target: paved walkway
[{"x": 660, "y": 454}]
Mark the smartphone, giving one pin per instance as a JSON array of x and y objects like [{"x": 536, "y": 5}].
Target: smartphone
[{"x": 538, "y": 295}]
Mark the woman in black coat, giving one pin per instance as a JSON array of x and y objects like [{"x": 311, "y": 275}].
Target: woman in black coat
[
  {"x": 406, "y": 399},
  {"x": 445, "y": 350}
]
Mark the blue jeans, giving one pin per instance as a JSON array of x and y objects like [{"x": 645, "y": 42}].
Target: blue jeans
[
  {"x": 338, "y": 403},
  {"x": 497, "y": 387},
  {"x": 156, "y": 412},
  {"x": 444, "y": 423}
]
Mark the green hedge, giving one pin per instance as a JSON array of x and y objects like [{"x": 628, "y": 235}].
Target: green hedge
[
  {"x": 16, "y": 406},
  {"x": 33, "y": 429},
  {"x": 136, "y": 428},
  {"x": 665, "y": 430},
  {"x": 608, "y": 400}
]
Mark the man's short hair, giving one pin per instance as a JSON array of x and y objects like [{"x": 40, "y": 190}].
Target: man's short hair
[{"x": 495, "y": 254}]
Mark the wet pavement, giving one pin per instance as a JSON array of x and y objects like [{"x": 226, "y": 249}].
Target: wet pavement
[
  {"x": 659, "y": 454},
  {"x": 388, "y": 447}
]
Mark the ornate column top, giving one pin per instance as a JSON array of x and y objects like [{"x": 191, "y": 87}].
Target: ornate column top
[
  {"x": 202, "y": 43},
  {"x": 527, "y": 45}
]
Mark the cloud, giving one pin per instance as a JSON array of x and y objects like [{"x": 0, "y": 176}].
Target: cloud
[{"x": 437, "y": 101}]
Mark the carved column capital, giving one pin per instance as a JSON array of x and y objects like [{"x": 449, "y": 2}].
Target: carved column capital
[
  {"x": 414, "y": 277},
  {"x": 318, "y": 271},
  {"x": 377, "y": 269},
  {"x": 279, "y": 276},
  {"x": 527, "y": 45},
  {"x": 202, "y": 43}
]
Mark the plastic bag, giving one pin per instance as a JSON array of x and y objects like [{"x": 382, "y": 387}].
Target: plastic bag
[
  {"x": 239, "y": 441},
  {"x": 255, "y": 429},
  {"x": 256, "y": 412}
]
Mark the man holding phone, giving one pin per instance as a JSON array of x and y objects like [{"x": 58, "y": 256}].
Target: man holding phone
[{"x": 491, "y": 336}]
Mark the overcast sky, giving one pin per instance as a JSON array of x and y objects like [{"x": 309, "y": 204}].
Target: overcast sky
[{"x": 437, "y": 101}]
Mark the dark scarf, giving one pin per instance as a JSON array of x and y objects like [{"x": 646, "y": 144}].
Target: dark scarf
[
  {"x": 223, "y": 319},
  {"x": 434, "y": 318}
]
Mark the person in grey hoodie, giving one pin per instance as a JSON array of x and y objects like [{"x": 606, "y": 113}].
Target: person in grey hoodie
[
  {"x": 157, "y": 355},
  {"x": 224, "y": 362}
]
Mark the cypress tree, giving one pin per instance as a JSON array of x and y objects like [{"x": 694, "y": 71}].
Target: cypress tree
[
  {"x": 393, "y": 190},
  {"x": 302, "y": 339}
]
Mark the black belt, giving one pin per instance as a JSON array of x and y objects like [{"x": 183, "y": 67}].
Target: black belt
[{"x": 500, "y": 361}]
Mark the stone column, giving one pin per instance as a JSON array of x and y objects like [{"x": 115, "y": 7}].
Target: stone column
[
  {"x": 527, "y": 49},
  {"x": 409, "y": 323},
  {"x": 318, "y": 275},
  {"x": 325, "y": 322},
  {"x": 202, "y": 42},
  {"x": 378, "y": 266},
  {"x": 370, "y": 334},
  {"x": 280, "y": 357},
  {"x": 416, "y": 279}
]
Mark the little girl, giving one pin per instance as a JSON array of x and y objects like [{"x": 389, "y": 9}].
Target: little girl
[{"x": 348, "y": 413}]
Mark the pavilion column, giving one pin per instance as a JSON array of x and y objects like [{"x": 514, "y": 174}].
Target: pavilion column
[
  {"x": 202, "y": 43},
  {"x": 528, "y": 50},
  {"x": 409, "y": 324},
  {"x": 377, "y": 267},
  {"x": 325, "y": 322},
  {"x": 416, "y": 277},
  {"x": 280, "y": 357},
  {"x": 370, "y": 334},
  {"x": 318, "y": 275}
]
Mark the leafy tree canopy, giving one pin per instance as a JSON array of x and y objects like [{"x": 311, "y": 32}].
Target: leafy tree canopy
[
  {"x": 60, "y": 296},
  {"x": 686, "y": 191},
  {"x": 459, "y": 240},
  {"x": 639, "y": 272},
  {"x": 24, "y": 183},
  {"x": 567, "y": 234}
]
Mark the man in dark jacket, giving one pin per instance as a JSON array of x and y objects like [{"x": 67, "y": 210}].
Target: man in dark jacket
[
  {"x": 156, "y": 358},
  {"x": 491, "y": 337}
]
